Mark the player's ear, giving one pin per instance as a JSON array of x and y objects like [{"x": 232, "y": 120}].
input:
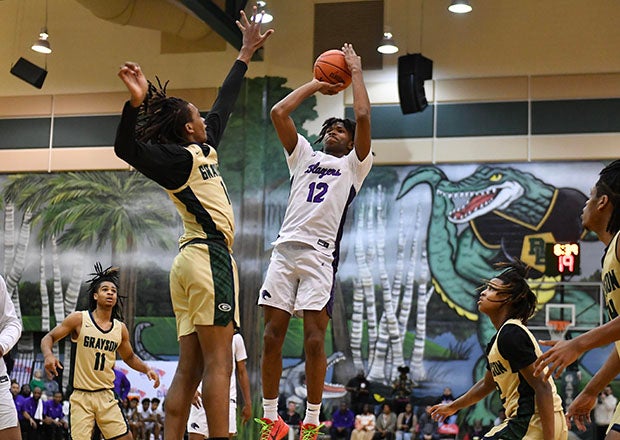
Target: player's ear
[{"x": 189, "y": 128}]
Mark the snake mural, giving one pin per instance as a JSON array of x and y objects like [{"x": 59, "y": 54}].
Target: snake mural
[{"x": 494, "y": 214}]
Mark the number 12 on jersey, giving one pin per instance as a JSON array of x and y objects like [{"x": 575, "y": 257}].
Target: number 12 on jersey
[{"x": 316, "y": 192}]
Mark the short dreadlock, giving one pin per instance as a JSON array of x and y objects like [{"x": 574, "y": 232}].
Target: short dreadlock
[
  {"x": 101, "y": 275},
  {"x": 162, "y": 119},
  {"x": 349, "y": 125},
  {"x": 609, "y": 184},
  {"x": 519, "y": 294}
]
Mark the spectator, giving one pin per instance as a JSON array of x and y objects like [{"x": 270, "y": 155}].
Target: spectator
[
  {"x": 446, "y": 398},
  {"x": 37, "y": 380},
  {"x": 122, "y": 386},
  {"x": 406, "y": 423},
  {"x": 55, "y": 426},
  {"x": 133, "y": 418},
  {"x": 14, "y": 389},
  {"x": 32, "y": 413},
  {"x": 476, "y": 431},
  {"x": 51, "y": 386},
  {"x": 386, "y": 424},
  {"x": 501, "y": 416},
  {"x": 359, "y": 387},
  {"x": 364, "y": 428},
  {"x": 603, "y": 411},
  {"x": 343, "y": 421},
  {"x": 158, "y": 415},
  {"x": 401, "y": 389},
  {"x": 149, "y": 420},
  {"x": 291, "y": 417},
  {"x": 428, "y": 426},
  {"x": 24, "y": 393}
]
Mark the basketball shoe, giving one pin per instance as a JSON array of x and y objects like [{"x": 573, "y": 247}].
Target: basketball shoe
[
  {"x": 272, "y": 430},
  {"x": 309, "y": 431}
]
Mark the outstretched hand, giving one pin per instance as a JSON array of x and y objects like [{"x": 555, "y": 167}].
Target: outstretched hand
[
  {"x": 441, "y": 411},
  {"x": 252, "y": 37},
  {"x": 51, "y": 366},
  {"x": 556, "y": 359},
  {"x": 579, "y": 411},
  {"x": 135, "y": 81},
  {"x": 354, "y": 61}
]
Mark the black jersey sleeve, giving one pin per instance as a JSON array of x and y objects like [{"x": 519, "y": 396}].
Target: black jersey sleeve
[
  {"x": 516, "y": 346},
  {"x": 169, "y": 165},
  {"x": 217, "y": 118}
]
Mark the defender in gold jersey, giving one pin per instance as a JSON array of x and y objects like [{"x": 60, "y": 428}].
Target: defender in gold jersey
[
  {"x": 601, "y": 215},
  {"x": 533, "y": 406},
  {"x": 99, "y": 334},
  {"x": 167, "y": 140}
]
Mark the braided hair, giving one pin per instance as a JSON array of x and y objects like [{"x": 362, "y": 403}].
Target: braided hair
[
  {"x": 348, "y": 124},
  {"x": 162, "y": 119},
  {"x": 609, "y": 184},
  {"x": 518, "y": 293},
  {"x": 100, "y": 275}
]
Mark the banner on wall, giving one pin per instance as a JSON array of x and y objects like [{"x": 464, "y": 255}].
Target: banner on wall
[{"x": 141, "y": 386}]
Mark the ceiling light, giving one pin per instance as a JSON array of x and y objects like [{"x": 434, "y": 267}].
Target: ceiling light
[
  {"x": 460, "y": 7},
  {"x": 267, "y": 17},
  {"x": 387, "y": 45},
  {"x": 42, "y": 45}
]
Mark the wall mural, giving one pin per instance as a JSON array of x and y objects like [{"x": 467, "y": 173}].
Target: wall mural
[{"x": 418, "y": 242}]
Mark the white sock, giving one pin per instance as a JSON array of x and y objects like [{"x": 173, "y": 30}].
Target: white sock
[
  {"x": 312, "y": 414},
  {"x": 270, "y": 409}
]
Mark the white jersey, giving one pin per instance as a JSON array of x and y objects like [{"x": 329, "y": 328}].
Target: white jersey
[
  {"x": 239, "y": 354},
  {"x": 322, "y": 188},
  {"x": 10, "y": 328}
]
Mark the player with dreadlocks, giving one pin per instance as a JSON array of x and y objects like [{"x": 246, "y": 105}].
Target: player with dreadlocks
[
  {"x": 533, "y": 406},
  {"x": 99, "y": 335},
  {"x": 601, "y": 215},
  {"x": 167, "y": 140},
  {"x": 302, "y": 270}
]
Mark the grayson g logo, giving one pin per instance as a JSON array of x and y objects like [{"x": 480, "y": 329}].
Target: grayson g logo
[{"x": 224, "y": 307}]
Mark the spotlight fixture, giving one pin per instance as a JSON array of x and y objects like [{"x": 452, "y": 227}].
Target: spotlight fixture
[
  {"x": 460, "y": 7},
  {"x": 42, "y": 45},
  {"x": 387, "y": 44},
  {"x": 267, "y": 17}
]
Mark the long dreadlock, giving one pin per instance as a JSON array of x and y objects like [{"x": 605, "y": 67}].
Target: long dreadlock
[
  {"x": 162, "y": 119},
  {"x": 100, "y": 275},
  {"x": 609, "y": 184},
  {"x": 517, "y": 291},
  {"x": 349, "y": 125}
]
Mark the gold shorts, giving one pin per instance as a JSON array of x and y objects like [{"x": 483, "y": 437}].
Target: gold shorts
[
  {"x": 102, "y": 407},
  {"x": 204, "y": 287}
]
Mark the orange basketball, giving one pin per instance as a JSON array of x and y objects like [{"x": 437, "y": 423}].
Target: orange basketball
[{"x": 331, "y": 67}]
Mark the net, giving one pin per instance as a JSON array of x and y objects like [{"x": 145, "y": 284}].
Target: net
[{"x": 557, "y": 329}]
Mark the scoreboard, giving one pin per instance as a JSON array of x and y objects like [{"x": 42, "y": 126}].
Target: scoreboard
[{"x": 562, "y": 259}]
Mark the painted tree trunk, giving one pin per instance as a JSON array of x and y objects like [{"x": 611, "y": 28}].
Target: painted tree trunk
[
  {"x": 45, "y": 299},
  {"x": 424, "y": 296}
]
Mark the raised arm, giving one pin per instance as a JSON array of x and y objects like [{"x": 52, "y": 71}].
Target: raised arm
[
  {"x": 131, "y": 359},
  {"x": 70, "y": 325},
  {"x": 361, "y": 102},
  {"x": 253, "y": 40},
  {"x": 281, "y": 112},
  {"x": 10, "y": 324}
]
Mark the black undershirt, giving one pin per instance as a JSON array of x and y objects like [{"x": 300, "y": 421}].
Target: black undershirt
[{"x": 170, "y": 164}]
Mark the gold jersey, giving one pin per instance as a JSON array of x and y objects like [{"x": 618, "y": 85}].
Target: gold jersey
[
  {"x": 610, "y": 278},
  {"x": 203, "y": 201},
  {"x": 510, "y": 350},
  {"x": 95, "y": 355}
]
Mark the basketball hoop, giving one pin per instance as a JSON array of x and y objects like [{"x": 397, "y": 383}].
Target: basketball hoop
[{"x": 557, "y": 329}]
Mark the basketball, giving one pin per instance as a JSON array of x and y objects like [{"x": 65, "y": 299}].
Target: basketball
[{"x": 331, "y": 67}]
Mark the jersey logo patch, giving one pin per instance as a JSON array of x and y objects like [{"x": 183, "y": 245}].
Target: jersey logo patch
[
  {"x": 265, "y": 294},
  {"x": 323, "y": 243},
  {"x": 224, "y": 307}
]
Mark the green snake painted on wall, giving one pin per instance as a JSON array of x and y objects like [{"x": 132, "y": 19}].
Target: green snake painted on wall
[{"x": 493, "y": 215}]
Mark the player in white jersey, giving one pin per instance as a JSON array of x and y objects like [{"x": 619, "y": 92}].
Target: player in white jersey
[
  {"x": 10, "y": 331},
  {"x": 301, "y": 273},
  {"x": 197, "y": 423},
  {"x": 601, "y": 215}
]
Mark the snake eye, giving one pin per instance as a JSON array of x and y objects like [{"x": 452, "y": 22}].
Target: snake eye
[{"x": 495, "y": 177}]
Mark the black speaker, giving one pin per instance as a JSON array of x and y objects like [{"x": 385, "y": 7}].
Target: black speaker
[
  {"x": 31, "y": 73},
  {"x": 413, "y": 70}
]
